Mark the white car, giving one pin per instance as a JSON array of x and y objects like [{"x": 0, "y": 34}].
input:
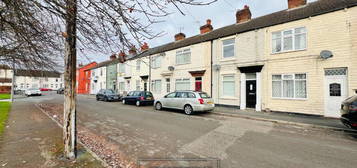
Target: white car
[
  {"x": 33, "y": 91},
  {"x": 189, "y": 101}
]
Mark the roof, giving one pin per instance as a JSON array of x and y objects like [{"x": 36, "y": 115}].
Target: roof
[
  {"x": 311, "y": 9},
  {"x": 2, "y": 66},
  {"x": 89, "y": 64},
  {"x": 37, "y": 73}
]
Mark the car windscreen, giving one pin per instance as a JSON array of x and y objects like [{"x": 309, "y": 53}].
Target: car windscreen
[
  {"x": 136, "y": 94},
  {"x": 148, "y": 94},
  {"x": 109, "y": 91},
  {"x": 204, "y": 95}
]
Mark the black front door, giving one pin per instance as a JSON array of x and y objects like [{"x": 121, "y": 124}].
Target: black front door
[{"x": 251, "y": 91}]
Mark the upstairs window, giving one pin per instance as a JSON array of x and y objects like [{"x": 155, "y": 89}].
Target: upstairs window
[
  {"x": 183, "y": 56},
  {"x": 121, "y": 68},
  {"x": 156, "y": 62},
  {"x": 228, "y": 48},
  {"x": 289, "y": 40},
  {"x": 138, "y": 62}
]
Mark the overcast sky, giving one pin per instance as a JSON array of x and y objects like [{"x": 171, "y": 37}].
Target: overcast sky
[{"x": 222, "y": 13}]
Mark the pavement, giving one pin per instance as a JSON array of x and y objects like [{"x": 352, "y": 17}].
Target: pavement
[
  {"x": 31, "y": 140},
  {"x": 142, "y": 132}
]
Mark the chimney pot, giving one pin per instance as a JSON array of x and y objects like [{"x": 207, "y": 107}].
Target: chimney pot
[
  {"x": 180, "y": 36},
  {"x": 113, "y": 57},
  {"x": 243, "y": 15},
  {"x": 145, "y": 46},
  {"x": 122, "y": 57},
  {"x": 296, "y": 3},
  {"x": 207, "y": 27},
  {"x": 132, "y": 50}
]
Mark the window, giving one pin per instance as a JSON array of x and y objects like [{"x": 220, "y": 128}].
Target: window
[
  {"x": 183, "y": 84},
  {"x": 57, "y": 86},
  {"x": 101, "y": 72},
  {"x": 156, "y": 86},
  {"x": 138, "y": 62},
  {"x": 137, "y": 84},
  {"x": 289, "y": 86},
  {"x": 168, "y": 85},
  {"x": 121, "y": 86},
  {"x": 289, "y": 40},
  {"x": 156, "y": 62},
  {"x": 228, "y": 48},
  {"x": 183, "y": 56},
  {"x": 171, "y": 95},
  {"x": 228, "y": 85},
  {"x": 335, "y": 89},
  {"x": 121, "y": 68}
]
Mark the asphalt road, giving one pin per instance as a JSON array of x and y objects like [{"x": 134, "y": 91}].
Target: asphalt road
[{"x": 142, "y": 132}]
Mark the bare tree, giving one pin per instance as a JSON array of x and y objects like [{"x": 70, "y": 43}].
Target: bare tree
[{"x": 32, "y": 34}]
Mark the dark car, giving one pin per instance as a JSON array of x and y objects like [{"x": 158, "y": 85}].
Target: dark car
[
  {"x": 107, "y": 95},
  {"x": 60, "y": 91},
  {"x": 139, "y": 98},
  {"x": 349, "y": 112}
]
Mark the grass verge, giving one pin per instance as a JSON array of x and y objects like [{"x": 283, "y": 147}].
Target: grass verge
[
  {"x": 5, "y": 96},
  {"x": 4, "y": 111}
]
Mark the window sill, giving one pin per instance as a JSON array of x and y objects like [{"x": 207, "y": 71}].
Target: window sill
[
  {"x": 183, "y": 64},
  {"x": 228, "y": 98},
  {"x": 298, "y": 99},
  {"x": 290, "y": 51},
  {"x": 227, "y": 59}
]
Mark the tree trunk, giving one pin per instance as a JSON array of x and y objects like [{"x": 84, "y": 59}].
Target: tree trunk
[{"x": 69, "y": 122}]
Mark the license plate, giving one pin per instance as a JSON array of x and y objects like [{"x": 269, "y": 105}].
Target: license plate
[
  {"x": 149, "y": 98},
  {"x": 209, "y": 102}
]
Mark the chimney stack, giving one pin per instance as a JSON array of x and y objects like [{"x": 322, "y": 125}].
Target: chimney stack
[
  {"x": 207, "y": 27},
  {"x": 132, "y": 50},
  {"x": 180, "y": 36},
  {"x": 296, "y": 3},
  {"x": 145, "y": 46},
  {"x": 113, "y": 57},
  {"x": 122, "y": 57},
  {"x": 243, "y": 15}
]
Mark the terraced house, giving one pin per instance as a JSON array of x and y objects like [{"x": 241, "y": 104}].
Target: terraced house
[{"x": 302, "y": 60}]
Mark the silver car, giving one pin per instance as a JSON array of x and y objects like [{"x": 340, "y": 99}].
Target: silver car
[
  {"x": 189, "y": 101},
  {"x": 33, "y": 91}
]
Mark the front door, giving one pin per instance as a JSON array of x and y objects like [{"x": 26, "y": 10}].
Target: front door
[
  {"x": 335, "y": 91},
  {"x": 198, "y": 84},
  {"x": 145, "y": 86},
  {"x": 251, "y": 93}
]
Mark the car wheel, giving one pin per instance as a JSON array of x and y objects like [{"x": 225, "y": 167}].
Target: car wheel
[
  {"x": 188, "y": 109},
  {"x": 97, "y": 98},
  {"x": 158, "y": 106},
  {"x": 105, "y": 99},
  {"x": 123, "y": 101},
  {"x": 137, "y": 103}
]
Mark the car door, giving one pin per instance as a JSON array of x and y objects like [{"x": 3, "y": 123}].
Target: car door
[
  {"x": 168, "y": 99},
  {"x": 179, "y": 101}
]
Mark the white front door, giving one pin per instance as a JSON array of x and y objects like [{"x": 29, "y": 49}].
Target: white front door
[{"x": 335, "y": 91}]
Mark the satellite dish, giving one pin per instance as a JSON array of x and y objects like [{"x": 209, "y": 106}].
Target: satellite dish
[
  {"x": 325, "y": 54},
  {"x": 216, "y": 67},
  {"x": 171, "y": 68}
]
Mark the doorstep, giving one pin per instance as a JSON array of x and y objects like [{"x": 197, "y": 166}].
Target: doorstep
[{"x": 284, "y": 117}]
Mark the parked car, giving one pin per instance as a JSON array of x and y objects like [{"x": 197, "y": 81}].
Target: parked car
[
  {"x": 107, "y": 95},
  {"x": 139, "y": 98},
  {"x": 189, "y": 101},
  {"x": 45, "y": 89},
  {"x": 60, "y": 91},
  {"x": 349, "y": 112},
  {"x": 32, "y": 92}
]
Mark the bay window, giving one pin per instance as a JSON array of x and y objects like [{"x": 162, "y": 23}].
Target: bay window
[
  {"x": 228, "y": 85},
  {"x": 289, "y": 86},
  {"x": 289, "y": 40}
]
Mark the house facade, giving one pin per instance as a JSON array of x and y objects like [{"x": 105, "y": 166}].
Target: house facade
[
  {"x": 83, "y": 78},
  {"x": 98, "y": 79},
  {"x": 25, "y": 79},
  {"x": 5, "y": 79}
]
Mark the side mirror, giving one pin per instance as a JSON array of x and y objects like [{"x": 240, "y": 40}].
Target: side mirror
[{"x": 165, "y": 96}]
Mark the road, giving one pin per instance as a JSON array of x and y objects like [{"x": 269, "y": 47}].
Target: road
[{"x": 142, "y": 132}]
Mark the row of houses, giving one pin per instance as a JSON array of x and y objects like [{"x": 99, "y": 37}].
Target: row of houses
[
  {"x": 25, "y": 79},
  {"x": 302, "y": 60}
]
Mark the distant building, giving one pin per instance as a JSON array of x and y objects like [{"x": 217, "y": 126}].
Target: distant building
[
  {"x": 5, "y": 79},
  {"x": 25, "y": 79}
]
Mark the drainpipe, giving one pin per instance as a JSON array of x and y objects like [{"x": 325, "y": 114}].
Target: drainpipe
[
  {"x": 149, "y": 82},
  {"x": 212, "y": 68}
]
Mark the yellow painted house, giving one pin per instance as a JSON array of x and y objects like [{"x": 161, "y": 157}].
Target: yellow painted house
[{"x": 301, "y": 60}]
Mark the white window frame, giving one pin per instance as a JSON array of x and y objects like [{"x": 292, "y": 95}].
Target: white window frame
[
  {"x": 154, "y": 88},
  {"x": 138, "y": 64},
  {"x": 121, "y": 68},
  {"x": 137, "y": 85},
  {"x": 222, "y": 84},
  {"x": 182, "y": 52},
  {"x": 156, "y": 62},
  {"x": 282, "y": 83},
  {"x": 182, "y": 80},
  {"x": 293, "y": 40},
  {"x": 121, "y": 86},
  {"x": 227, "y": 45}
]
